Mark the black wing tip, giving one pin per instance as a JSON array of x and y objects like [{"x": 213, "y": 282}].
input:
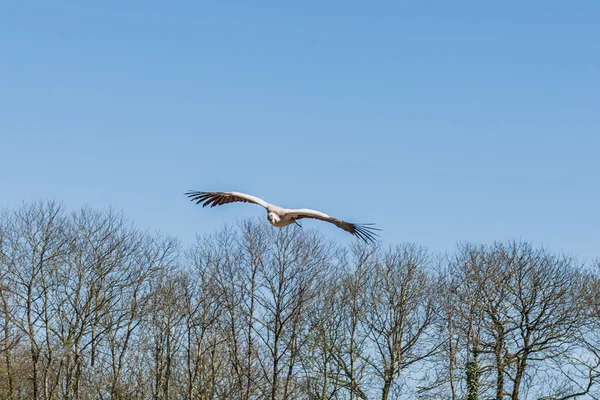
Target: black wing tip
[
  {"x": 366, "y": 232},
  {"x": 203, "y": 198},
  {"x": 191, "y": 193}
]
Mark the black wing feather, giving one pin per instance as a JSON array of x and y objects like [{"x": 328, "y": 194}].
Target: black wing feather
[
  {"x": 215, "y": 198},
  {"x": 365, "y": 232}
]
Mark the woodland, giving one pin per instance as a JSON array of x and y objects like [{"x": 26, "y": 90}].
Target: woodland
[{"x": 92, "y": 307}]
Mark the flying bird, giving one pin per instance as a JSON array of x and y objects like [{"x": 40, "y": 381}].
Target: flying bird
[{"x": 279, "y": 216}]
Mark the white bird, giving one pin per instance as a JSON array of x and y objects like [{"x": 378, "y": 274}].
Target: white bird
[{"x": 279, "y": 216}]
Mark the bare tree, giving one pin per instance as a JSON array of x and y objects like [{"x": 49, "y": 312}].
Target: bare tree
[
  {"x": 124, "y": 324},
  {"x": 401, "y": 311},
  {"x": 475, "y": 292},
  {"x": 93, "y": 308},
  {"x": 321, "y": 374},
  {"x": 37, "y": 246},
  {"x": 289, "y": 279},
  {"x": 516, "y": 311},
  {"x": 350, "y": 350},
  {"x": 545, "y": 311},
  {"x": 89, "y": 278},
  {"x": 9, "y": 338},
  {"x": 227, "y": 366}
]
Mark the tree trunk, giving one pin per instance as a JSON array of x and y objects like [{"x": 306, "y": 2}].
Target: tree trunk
[{"x": 473, "y": 372}]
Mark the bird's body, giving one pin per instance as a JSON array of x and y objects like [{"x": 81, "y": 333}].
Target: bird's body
[{"x": 279, "y": 216}]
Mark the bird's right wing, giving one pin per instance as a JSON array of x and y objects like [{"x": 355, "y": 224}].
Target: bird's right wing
[
  {"x": 219, "y": 198},
  {"x": 364, "y": 231}
]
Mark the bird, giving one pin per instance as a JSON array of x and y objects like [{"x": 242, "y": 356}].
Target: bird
[{"x": 279, "y": 216}]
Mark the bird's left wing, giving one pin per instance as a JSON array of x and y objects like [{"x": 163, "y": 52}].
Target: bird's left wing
[
  {"x": 219, "y": 198},
  {"x": 364, "y": 231}
]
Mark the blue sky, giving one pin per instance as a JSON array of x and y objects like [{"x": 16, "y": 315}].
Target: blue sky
[{"x": 442, "y": 123}]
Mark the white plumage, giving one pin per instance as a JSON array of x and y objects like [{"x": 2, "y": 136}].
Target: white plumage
[{"x": 279, "y": 216}]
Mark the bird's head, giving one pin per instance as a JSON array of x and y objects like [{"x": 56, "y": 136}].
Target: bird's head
[{"x": 273, "y": 217}]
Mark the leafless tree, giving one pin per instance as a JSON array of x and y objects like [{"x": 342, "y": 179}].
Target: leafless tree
[
  {"x": 9, "y": 337},
  {"x": 93, "y": 308},
  {"x": 290, "y": 277},
  {"x": 321, "y": 374},
  {"x": 126, "y": 324},
  {"x": 37, "y": 245},
  {"x": 515, "y": 311},
  {"x": 545, "y": 311},
  {"x": 203, "y": 308},
  {"x": 400, "y": 312}
]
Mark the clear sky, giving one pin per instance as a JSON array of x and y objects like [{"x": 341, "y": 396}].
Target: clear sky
[{"x": 442, "y": 122}]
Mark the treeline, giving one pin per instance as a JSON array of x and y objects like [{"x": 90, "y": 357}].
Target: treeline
[{"x": 93, "y": 308}]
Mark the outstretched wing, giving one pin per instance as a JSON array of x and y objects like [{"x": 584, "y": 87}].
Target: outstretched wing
[
  {"x": 219, "y": 198},
  {"x": 364, "y": 231}
]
